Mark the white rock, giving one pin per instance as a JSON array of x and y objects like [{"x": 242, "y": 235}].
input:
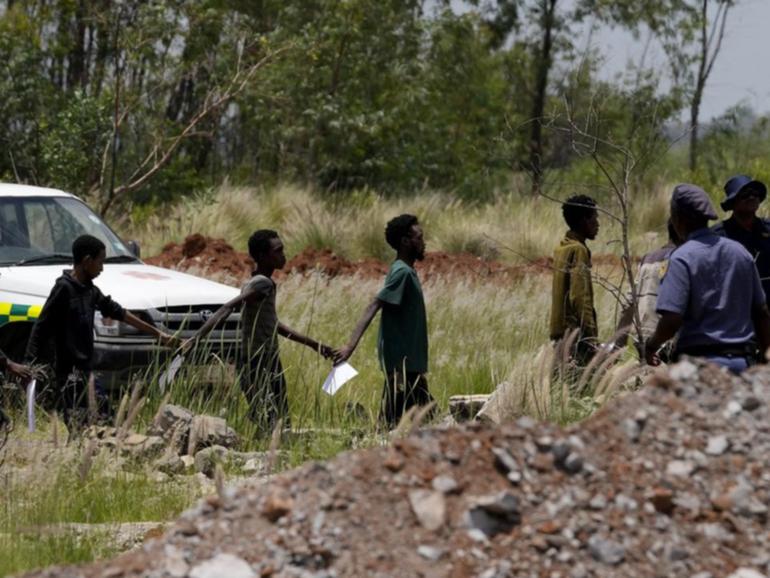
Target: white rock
[
  {"x": 174, "y": 563},
  {"x": 430, "y": 552},
  {"x": 188, "y": 461},
  {"x": 683, "y": 371},
  {"x": 680, "y": 468},
  {"x": 746, "y": 573},
  {"x": 223, "y": 565},
  {"x": 717, "y": 445},
  {"x": 444, "y": 484},
  {"x": 429, "y": 507}
]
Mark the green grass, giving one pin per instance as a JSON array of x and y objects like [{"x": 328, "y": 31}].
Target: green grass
[
  {"x": 43, "y": 489},
  {"x": 25, "y": 552}
]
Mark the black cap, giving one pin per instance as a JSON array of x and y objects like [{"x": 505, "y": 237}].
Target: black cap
[{"x": 694, "y": 200}]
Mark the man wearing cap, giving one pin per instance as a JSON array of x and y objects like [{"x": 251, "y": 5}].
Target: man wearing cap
[
  {"x": 743, "y": 196},
  {"x": 710, "y": 296}
]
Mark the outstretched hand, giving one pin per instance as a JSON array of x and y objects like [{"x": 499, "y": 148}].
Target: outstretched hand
[
  {"x": 327, "y": 351},
  {"x": 651, "y": 356},
  {"x": 187, "y": 345},
  {"x": 170, "y": 341},
  {"x": 343, "y": 354},
  {"x": 23, "y": 371}
]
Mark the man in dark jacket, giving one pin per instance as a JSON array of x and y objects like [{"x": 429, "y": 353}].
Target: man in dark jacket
[
  {"x": 64, "y": 331},
  {"x": 743, "y": 196}
]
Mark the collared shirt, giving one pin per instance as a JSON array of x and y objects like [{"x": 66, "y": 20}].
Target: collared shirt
[
  {"x": 572, "y": 297},
  {"x": 712, "y": 282},
  {"x": 67, "y": 319},
  {"x": 403, "y": 337},
  {"x": 756, "y": 242}
]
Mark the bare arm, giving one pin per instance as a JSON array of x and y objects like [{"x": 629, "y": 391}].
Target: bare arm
[
  {"x": 667, "y": 327},
  {"x": 369, "y": 313},
  {"x": 220, "y": 315},
  {"x": 761, "y": 319},
  {"x": 144, "y": 327},
  {"x": 298, "y": 337}
]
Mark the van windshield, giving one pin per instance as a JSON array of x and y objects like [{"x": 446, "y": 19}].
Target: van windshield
[{"x": 41, "y": 230}]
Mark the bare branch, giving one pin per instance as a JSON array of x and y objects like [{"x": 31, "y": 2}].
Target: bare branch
[{"x": 162, "y": 152}]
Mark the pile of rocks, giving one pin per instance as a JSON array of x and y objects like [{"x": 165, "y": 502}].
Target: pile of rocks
[
  {"x": 179, "y": 441},
  {"x": 669, "y": 481}
]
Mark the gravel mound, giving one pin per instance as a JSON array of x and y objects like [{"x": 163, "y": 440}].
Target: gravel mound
[{"x": 669, "y": 481}]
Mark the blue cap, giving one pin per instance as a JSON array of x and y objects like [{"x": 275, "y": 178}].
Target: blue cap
[
  {"x": 736, "y": 184},
  {"x": 694, "y": 200}
]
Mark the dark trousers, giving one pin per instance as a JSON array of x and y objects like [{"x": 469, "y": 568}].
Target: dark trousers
[
  {"x": 66, "y": 392},
  {"x": 401, "y": 392},
  {"x": 262, "y": 382}
]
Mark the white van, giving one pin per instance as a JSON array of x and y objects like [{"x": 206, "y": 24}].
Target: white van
[{"x": 37, "y": 228}]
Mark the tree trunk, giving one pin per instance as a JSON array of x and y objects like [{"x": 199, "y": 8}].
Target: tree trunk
[
  {"x": 544, "y": 62},
  {"x": 76, "y": 58},
  {"x": 694, "y": 125}
]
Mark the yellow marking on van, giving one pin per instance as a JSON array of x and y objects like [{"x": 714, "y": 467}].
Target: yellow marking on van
[{"x": 14, "y": 312}]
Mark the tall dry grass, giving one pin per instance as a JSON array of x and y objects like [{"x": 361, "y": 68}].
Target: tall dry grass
[{"x": 511, "y": 228}]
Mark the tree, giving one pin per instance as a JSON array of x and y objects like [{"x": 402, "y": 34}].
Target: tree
[
  {"x": 691, "y": 33},
  {"x": 712, "y": 32},
  {"x": 547, "y": 23}
]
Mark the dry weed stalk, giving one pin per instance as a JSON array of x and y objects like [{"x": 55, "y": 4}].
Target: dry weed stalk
[
  {"x": 135, "y": 405},
  {"x": 192, "y": 441},
  {"x": 55, "y": 429},
  {"x": 84, "y": 468},
  {"x": 163, "y": 403},
  {"x": 275, "y": 443},
  {"x": 404, "y": 424},
  {"x": 120, "y": 416},
  {"x": 419, "y": 415},
  {"x": 93, "y": 408},
  {"x": 219, "y": 480}
]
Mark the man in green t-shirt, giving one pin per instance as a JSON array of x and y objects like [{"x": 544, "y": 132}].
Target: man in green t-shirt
[{"x": 403, "y": 339}]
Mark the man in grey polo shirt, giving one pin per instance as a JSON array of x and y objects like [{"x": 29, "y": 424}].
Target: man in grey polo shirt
[{"x": 711, "y": 296}]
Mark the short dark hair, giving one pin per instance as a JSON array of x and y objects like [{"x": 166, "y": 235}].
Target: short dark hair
[
  {"x": 259, "y": 242},
  {"x": 576, "y": 209},
  {"x": 86, "y": 246},
  {"x": 398, "y": 228}
]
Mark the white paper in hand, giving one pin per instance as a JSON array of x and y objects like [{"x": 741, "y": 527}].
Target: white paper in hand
[
  {"x": 338, "y": 376},
  {"x": 31, "y": 404},
  {"x": 168, "y": 376}
]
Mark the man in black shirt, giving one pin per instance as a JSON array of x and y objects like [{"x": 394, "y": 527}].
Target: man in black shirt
[
  {"x": 743, "y": 196},
  {"x": 65, "y": 328}
]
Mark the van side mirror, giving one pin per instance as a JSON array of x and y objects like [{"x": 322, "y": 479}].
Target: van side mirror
[{"x": 135, "y": 249}]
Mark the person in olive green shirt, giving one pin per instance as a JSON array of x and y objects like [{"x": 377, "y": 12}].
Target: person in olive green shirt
[
  {"x": 403, "y": 339},
  {"x": 572, "y": 305}
]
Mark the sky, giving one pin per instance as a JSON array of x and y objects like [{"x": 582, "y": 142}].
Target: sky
[{"x": 741, "y": 73}]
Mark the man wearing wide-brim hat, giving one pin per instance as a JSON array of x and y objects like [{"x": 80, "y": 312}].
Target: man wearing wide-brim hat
[
  {"x": 710, "y": 297},
  {"x": 743, "y": 196}
]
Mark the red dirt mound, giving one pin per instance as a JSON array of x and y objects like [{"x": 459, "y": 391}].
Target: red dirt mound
[
  {"x": 216, "y": 259},
  {"x": 205, "y": 256}
]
